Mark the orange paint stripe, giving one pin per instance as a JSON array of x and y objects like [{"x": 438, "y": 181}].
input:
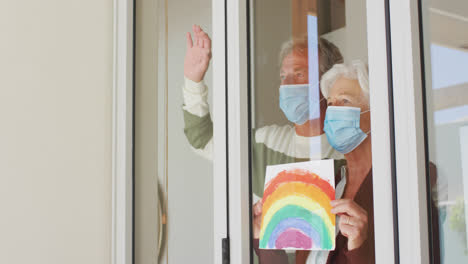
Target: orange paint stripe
[{"x": 299, "y": 175}]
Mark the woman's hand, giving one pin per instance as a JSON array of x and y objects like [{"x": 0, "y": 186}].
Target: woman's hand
[
  {"x": 257, "y": 218},
  {"x": 198, "y": 55},
  {"x": 353, "y": 221}
]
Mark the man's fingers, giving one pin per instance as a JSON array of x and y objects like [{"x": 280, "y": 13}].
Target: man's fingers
[
  {"x": 198, "y": 33},
  {"x": 207, "y": 42},
  {"x": 195, "y": 39},
  {"x": 257, "y": 208},
  {"x": 202, "y": 40},
  {"x": 201, "y": 35},
  {"x": 189, "y": 40}
]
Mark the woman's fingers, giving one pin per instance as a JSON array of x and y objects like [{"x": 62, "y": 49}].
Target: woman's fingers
[
  {"x": 354, "y": 229},
  {"x": 353, "y": 222},
  {"x": 349, "y": 231},
  {"x": 346, "y": 206},
  {"x": 346, "y": 219}
]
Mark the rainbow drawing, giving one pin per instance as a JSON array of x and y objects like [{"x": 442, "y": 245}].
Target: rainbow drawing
[{"x": 296, "y": 207}]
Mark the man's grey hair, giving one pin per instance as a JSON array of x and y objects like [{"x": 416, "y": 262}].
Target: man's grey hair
[{"x": 329, "y": 54}]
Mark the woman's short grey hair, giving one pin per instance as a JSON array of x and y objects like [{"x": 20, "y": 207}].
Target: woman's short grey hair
[
  {"x": 329, "y": 54},
  {"x": 356, "y": 70}
]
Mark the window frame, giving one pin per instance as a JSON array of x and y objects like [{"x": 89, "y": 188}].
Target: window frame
[{"x": 409, "y": 144}]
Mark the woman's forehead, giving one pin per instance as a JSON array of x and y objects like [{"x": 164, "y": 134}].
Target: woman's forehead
[{"x": 346, "y": 86}]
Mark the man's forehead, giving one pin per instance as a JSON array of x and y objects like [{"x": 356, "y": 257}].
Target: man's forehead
[
  {"x": 295, "y": 61},
  {"x": 300, "y": 54}
]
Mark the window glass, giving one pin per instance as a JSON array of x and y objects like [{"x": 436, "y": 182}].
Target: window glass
[
  {"x": 173, "y": 133},
  {"x": 446, "y": 87},
  {"x": 310, "y": 132}
]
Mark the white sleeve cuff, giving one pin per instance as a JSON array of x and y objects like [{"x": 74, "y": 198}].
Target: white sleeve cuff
[
  {"x": 195, "y": 98},
  {"x": 194, "y": 87}
]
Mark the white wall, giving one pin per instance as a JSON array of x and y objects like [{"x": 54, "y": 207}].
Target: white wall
[{"x": 55, "y": 136}]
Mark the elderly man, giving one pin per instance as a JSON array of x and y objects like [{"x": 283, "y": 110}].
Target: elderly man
[{"x": 273, "y": 144}]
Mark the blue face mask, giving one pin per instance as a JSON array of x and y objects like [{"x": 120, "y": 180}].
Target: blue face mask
[
  {"x": 342, "y": 128},
  {"x": 295, "y": 102}
]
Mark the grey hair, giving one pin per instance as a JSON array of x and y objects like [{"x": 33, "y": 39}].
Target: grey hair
[
  {"x": 329, "y": 54},
  {"x": 356, "y": 70}
]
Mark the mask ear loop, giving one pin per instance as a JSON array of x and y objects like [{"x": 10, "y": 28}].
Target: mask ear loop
[{"x": 368, "y": 110}]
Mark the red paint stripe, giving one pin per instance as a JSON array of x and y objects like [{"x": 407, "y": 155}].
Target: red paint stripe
[{"x": 299, "y": 175}]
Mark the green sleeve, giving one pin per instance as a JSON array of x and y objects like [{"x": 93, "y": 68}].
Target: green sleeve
[{"x": 198, "y": 130}]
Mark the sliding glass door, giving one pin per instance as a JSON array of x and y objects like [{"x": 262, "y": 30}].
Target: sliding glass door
[
  {"x": 444, "y": 60},
  {"x": 429, "y": 59},
  {"x": 292, "y": 66}
]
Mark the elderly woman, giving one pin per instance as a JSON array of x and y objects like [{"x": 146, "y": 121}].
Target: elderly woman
[{"x": 347, "y": 126}]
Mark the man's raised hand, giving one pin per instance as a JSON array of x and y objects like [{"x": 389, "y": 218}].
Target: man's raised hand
[{"x": 198, "y": 55}]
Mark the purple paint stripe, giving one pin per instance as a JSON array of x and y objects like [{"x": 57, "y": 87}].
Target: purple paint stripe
[
  {"x": 296, "y": 223},
  {"x": 293, "y": 238}
]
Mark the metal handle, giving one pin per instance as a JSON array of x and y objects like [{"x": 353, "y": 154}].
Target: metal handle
[{"x": 162, "y": 223}]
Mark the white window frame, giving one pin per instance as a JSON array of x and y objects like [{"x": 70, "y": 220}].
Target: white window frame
[
  {"x": 238, "y": 147},
  {"x": 220, "y": 221},
  {"x": 122, "y": 135},
  {"x": 409, "y": 132},
  {"x": 238, "y": 134},
  {"x": 380, "y": 127}
]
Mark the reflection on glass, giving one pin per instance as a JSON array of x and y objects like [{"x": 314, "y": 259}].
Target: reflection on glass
[
  {"x": 317, "y": 68},
  {"x": 446, "y": 60}
]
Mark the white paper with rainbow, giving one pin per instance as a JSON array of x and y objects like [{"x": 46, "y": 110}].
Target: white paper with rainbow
[{"x": 296, "y": 206}]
